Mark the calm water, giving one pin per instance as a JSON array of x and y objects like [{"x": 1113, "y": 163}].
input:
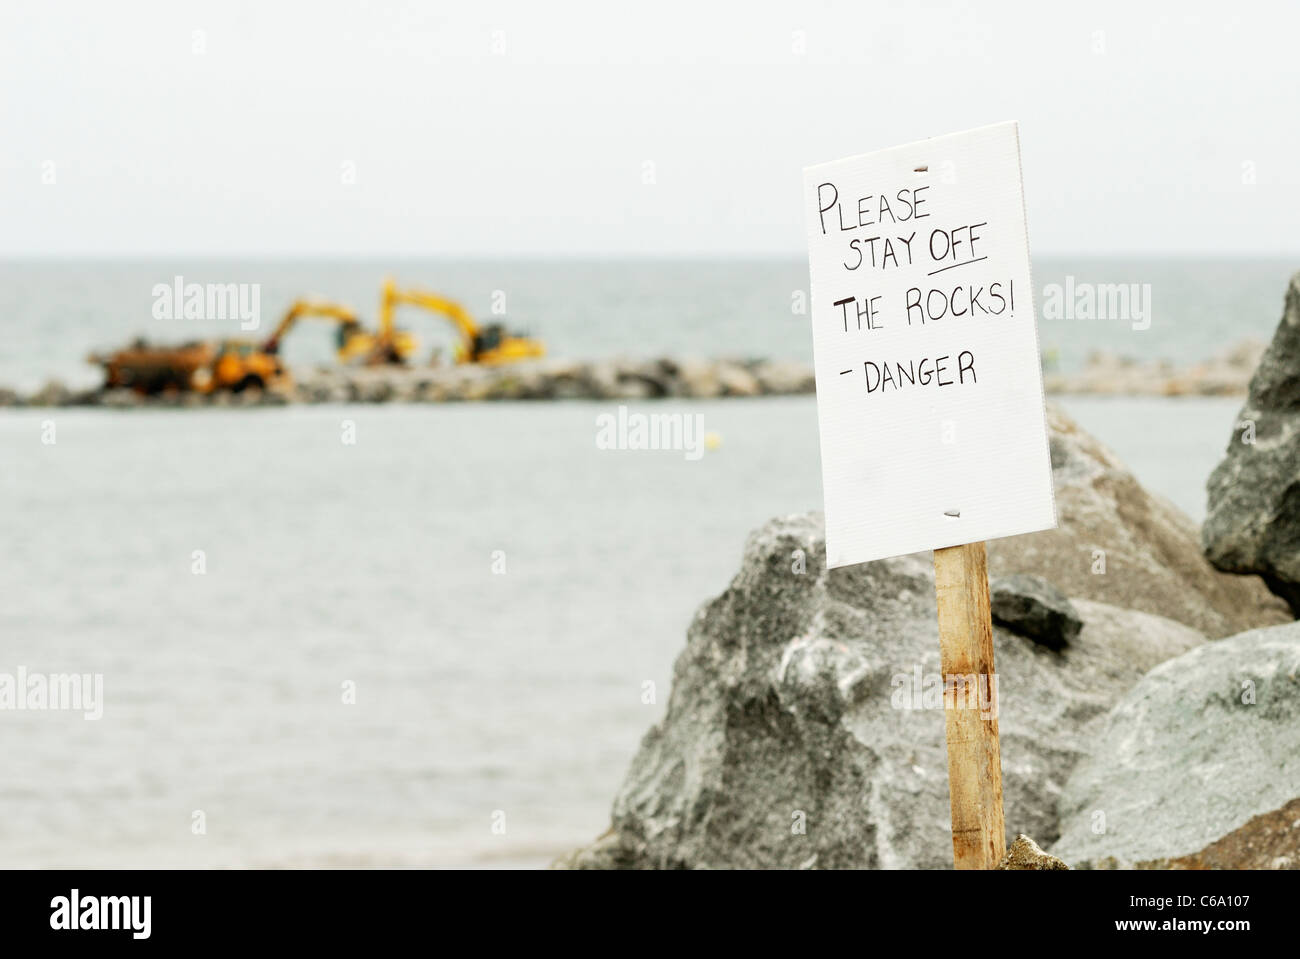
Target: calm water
[
  {"x": 53, "y": 313},
  {"x": 372, "y": 564}
]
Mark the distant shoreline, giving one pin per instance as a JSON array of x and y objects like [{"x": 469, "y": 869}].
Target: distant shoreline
[{"x": 1105, "y": 374}]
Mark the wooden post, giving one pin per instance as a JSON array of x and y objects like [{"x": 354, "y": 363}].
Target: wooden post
[{"x": 974, "y": 759}]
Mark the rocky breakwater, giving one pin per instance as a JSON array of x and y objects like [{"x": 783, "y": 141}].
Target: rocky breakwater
[
  {"x": 551, "y": 379},
  {"x": 1107, "y": 373},
  {"x": 798, "y": 733},
  {"x": 628, "y": 379}
]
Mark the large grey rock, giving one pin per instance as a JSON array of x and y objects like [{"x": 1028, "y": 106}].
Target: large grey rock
[
  {"x": 1196, "y": 749},
  {"x": 1122, "y": 545},
  {"x": 1253, "y": 523},
  {"x": 785, "y": 743},
  {"x": 1033, "y": 607}
]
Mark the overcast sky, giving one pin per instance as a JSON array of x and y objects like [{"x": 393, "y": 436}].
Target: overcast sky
[{"x": 531, "y": 129}]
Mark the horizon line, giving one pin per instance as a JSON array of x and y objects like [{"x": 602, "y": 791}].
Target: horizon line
[{"x": 534, "y": 256}]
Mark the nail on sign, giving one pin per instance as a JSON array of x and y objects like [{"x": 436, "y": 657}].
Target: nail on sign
[{"x": 929, "y": 389}]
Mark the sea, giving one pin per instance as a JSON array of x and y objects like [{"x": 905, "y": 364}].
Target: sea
[{"x": 438, "y": 644}]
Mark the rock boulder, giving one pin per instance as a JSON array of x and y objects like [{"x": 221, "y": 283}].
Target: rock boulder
[
  {"x": 1201, "y": 745},
  {"x": 797, "y": 733},
  {"x": 1033, "y": 607},
  {"x": 1253, "y": 523},
  {"x": 1120, "y": 544}
]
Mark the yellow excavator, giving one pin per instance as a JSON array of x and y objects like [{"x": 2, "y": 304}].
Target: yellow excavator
[
  {"x": 239, "y": 364},
  {"x": 488, "y": 345},
  {"x": 353, "y": 342}
]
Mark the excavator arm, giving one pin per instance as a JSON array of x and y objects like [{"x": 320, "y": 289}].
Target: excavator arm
[
  {"x": 346, "y": 318},
  {"x": 466, "y": 328},
  {"x": 490, "y": 346}
]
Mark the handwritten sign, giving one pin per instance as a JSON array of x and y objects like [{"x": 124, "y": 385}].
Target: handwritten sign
[{"x": 929, "y": 388}]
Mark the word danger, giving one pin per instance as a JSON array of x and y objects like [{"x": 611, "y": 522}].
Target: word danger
[{"x": 895, "y": 374}]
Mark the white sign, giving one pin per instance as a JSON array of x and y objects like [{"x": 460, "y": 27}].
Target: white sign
[{"x": 929, "y": 388}]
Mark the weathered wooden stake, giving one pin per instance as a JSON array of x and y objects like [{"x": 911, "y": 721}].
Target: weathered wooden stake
[{"x": 974, "y": 759}]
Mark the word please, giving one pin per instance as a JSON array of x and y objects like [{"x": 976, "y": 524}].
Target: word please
[
  {"x": 870, "y": 209},
  {"x": 895, "y": 374}
]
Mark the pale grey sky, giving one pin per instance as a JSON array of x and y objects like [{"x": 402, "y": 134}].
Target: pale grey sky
[{"x": 528, "y": 129}]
